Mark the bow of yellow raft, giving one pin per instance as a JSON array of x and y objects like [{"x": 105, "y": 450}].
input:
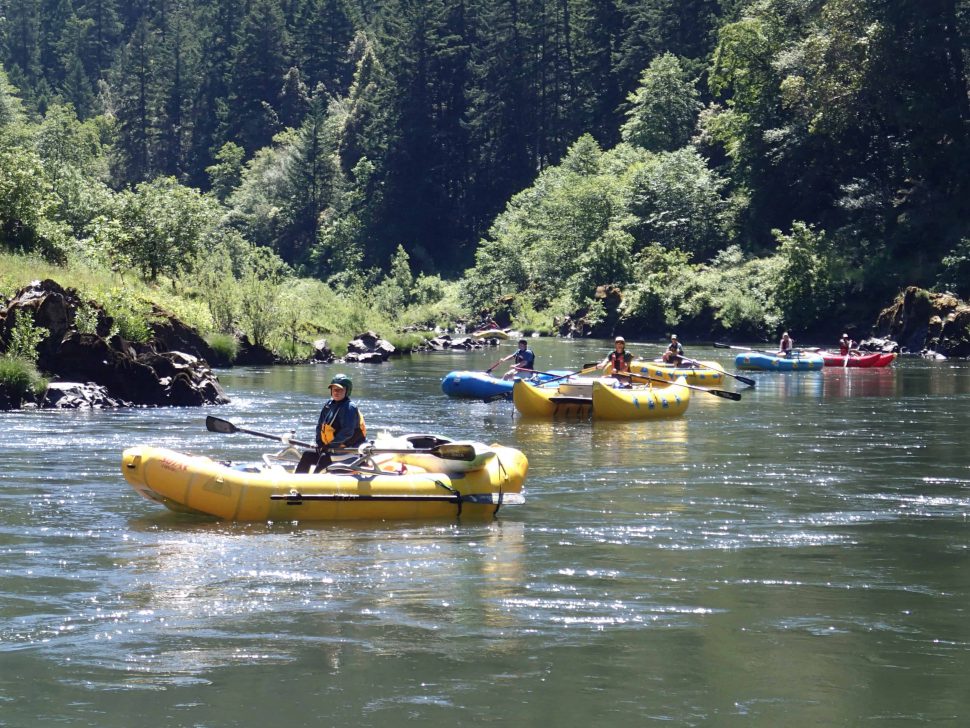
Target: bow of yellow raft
[{"x": 393, "y": 486}]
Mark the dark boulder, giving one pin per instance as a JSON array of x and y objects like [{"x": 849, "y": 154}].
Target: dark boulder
[
  {"x": 170, "y": 334},
  {"x": 368, "y": 357},
  {"x": 145, "y": 374},
  {"x": 921, "y": 320},
  {"x": 322, "y": 352},
  {"x": 253, "y": 354},
  {"x": 884, "y": 346},
  {"x": 75, "y": 395},
  {"x": 12, "y": 398}
]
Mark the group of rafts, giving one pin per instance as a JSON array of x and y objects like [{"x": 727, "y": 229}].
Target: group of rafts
[
  {"x": 408, "y": 477},
  {"x": 650, "y": 391},
  {"x": 426, "y": 476},
  {"x": 807, "y": 360}
]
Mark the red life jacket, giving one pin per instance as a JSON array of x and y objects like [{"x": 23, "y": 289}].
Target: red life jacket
[{"x": 620, "y": 361}]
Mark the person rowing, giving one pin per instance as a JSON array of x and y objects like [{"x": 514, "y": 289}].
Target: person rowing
[
  {"x": 524, "y": 361},
  {"x": 847, "y": 347},
  {"x": 619, "y": 359},
  {"x": 340, "y": 425},
  {"x": 674, "y": 353}
]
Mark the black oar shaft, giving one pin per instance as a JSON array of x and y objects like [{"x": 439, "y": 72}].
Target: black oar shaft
[
  {"x": 225, "y": 427},
  {"x": 446, "y": 451},
  {"x": 745, "y": 380}
]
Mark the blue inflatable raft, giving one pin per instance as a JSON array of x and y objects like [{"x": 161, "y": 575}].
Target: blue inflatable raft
[
  {"x": 479, "y": 385},
  {"x": 762, "y": 361}
]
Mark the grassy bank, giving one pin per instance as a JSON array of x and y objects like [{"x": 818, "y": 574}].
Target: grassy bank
[{"x": 285, "y": 313}]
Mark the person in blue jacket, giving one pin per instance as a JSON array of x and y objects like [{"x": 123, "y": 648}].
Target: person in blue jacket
[
  {"x": 340, "y": 425},
  {"x": 524, "y": 361}
]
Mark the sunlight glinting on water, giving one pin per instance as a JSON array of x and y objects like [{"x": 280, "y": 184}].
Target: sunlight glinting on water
[{"x": 797, "y": 548}]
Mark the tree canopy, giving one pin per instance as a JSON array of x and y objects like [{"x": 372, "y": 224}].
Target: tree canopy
[{"x": 537, "y": 147}]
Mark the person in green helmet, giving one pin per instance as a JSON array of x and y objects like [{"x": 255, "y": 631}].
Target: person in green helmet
[{"x": 340, "y": 425}]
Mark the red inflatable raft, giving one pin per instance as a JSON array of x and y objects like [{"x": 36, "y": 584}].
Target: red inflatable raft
[{"x": 857, "y": 360}]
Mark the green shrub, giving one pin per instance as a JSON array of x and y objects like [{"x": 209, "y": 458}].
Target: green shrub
[
  {"x": 955, "y": 270},
  {"x": 86, "y": 319},
  {"x": 338, "y": 343},
  {"x": 21, "y": 378},
  {"x": 131, "y": 315},
  {"x": 225, "y": 345},
  {"x": 292, "y": 352},
  {"x": 24, "y": 338},
  {"x": 405, "y": 342},
  {"x": 529, "y": 321}
]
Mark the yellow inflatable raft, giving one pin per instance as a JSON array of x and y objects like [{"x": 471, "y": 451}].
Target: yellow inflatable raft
[
  {"x": 708, "y": 374},
  {"x": 491, "y": 334},
  {"x": 640, "y": 403},
  {"x": 603, "y": 401},
  {"x": 375, "y": 485}
]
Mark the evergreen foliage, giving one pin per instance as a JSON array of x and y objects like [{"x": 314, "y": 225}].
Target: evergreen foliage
[{"x": 553, "y": 146}]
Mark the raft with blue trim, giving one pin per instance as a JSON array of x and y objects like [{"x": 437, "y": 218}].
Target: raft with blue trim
[
  {"x": 704, "y": 374},
  {"x": 379, "y": 483},
  {"x": 762, "y": 361}
]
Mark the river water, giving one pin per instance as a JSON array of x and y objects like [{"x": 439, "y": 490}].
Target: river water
[{"x": 800, "y": 557}]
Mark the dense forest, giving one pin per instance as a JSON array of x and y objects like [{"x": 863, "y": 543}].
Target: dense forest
[{"x": 727, "y": 165}]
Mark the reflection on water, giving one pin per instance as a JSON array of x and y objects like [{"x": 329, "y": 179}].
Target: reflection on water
[
  {"x": 794, "y": 558},
  {"x": 847, "y": 382}
]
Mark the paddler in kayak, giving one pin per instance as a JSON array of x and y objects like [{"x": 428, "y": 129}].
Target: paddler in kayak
[{"x": 340, "y": 425}]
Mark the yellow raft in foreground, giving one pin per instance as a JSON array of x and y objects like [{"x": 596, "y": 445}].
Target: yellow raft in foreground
[
  {"x": 375, "y": 486},
  {"x": 604, "y": 401}
]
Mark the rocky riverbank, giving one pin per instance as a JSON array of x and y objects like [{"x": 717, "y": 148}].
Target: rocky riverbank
[
  {"x": 926, "y": 322},
  {"x": 99, "y": 368}
]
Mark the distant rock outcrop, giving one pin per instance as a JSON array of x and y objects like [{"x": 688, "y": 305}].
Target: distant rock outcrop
[
  {"x": 922, "y": 321},
  {"x": 369, "y": 348},
  {"x": 103, "y": 370}
]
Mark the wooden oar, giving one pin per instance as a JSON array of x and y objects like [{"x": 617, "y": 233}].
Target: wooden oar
[
  {"x": 716, "y": 392},
  {"x": 746, "y": 380},
  {"x": 446, "y": 451}
]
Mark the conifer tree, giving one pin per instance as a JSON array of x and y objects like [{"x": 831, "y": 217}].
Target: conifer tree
[{"x": 259, "y": 62}]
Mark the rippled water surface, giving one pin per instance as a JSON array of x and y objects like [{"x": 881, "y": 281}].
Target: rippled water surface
[{"x": 800, "y": 557}]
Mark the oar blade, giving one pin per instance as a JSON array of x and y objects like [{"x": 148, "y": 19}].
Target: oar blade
[
  {"x": 744, "y": 380},
  {"x": 725, "y": 394},
  {"x": 215, "y": 424},
  {"x": 496, "y": 397}
]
